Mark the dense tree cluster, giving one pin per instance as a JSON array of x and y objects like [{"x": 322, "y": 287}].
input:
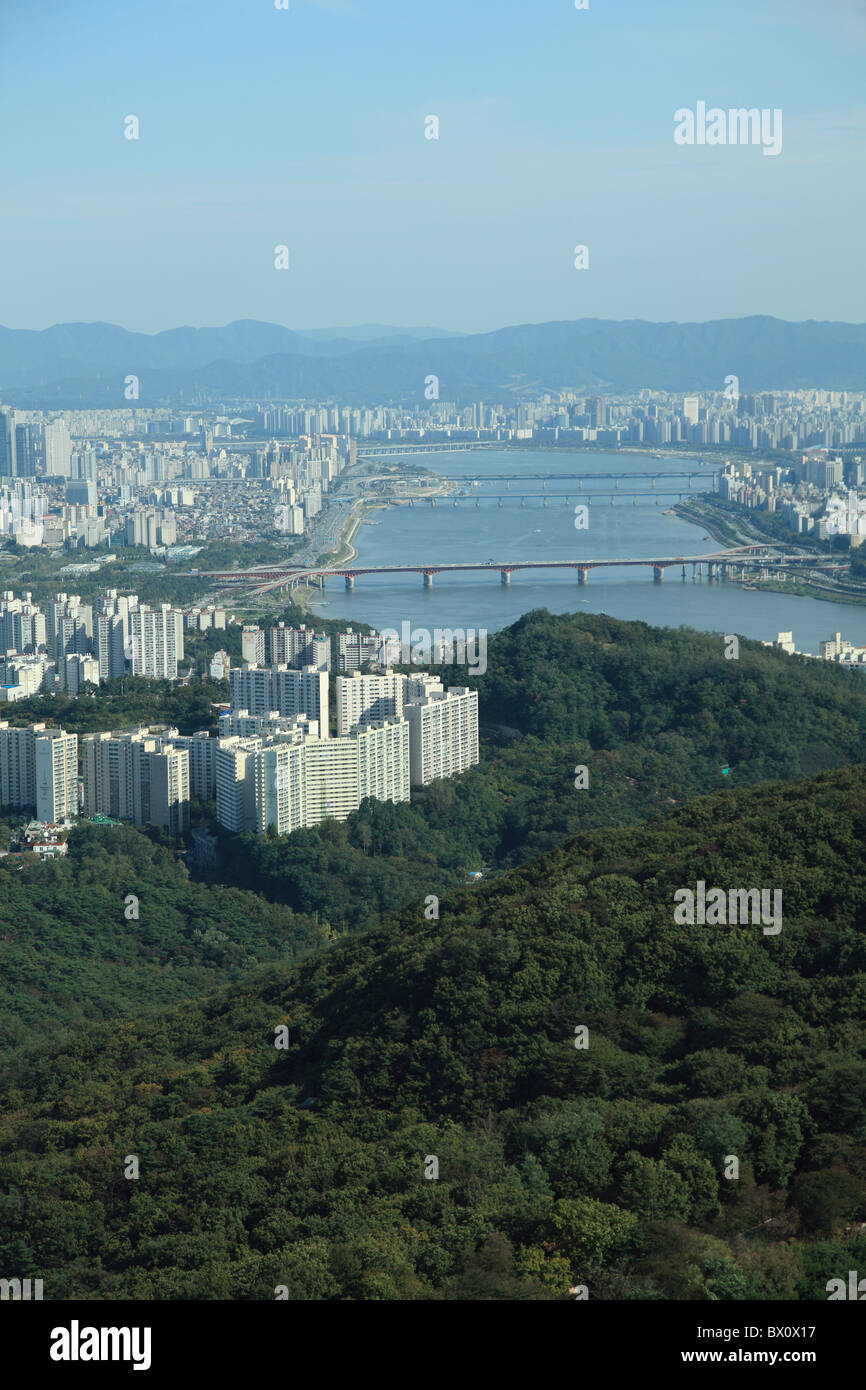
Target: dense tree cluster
[
  {"x": 454, "y": 1038},
  {"x": 124, "y": 704},
  {"x": 74, "y": 949}
]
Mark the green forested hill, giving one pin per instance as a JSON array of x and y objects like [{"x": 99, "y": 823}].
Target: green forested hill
[
  {"x": 654, "y": 715},
  {"x": 69, "y": 954},
  {"x": 454, "y": 1039}
]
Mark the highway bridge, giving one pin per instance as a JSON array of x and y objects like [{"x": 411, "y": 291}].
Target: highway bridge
[
  {"x": 394, "y": 450},
  {"x": 737, "y": 559},
  {"x": 455, "y": 499},
  {"x": 561, "y": 477}
]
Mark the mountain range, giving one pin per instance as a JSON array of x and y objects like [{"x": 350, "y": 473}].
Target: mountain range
[{"x": 86, "y": 364}]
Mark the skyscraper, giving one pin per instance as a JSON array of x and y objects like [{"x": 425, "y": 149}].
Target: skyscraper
[
  {"x": 56, "y": 775},
  {"x": 25, "y": 451},
  {"x": 156, "y": 641},
  {"x": 7, "y": 444},
  {"x": 137, "y": 776},
  {"x": 58, "y": 450}
]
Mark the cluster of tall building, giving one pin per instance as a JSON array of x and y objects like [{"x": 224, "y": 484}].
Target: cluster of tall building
[
  {"x": 68, "y": 644},
  {"x": 39, "y": 767},
  {"x": 167, "y": 479},
  {"x": 302, "y": 646},
  {"x": 277, "y": 766},
  {"x": 816, "y": 493},
  {"x": 137, "y": 776},
  {"x": 76, "y": 479},
  {"x": 273, "y": 764},
  {"x": 752, "y": 421}
]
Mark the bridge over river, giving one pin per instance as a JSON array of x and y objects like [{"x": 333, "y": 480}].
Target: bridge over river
[{"x": 720, "y": 564}]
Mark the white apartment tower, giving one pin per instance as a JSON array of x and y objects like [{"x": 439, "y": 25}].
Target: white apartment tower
[
  {"x": 111, "y": 636},
  {"x": 355, "y": 649},
  {"x": 252, "y": 646},
  {"x": 156, "y": 641},
  {"x": 288, "y": 781},
  {"x": 138, "y": 777},
  {"x": 234, "y": 788},
  {"x": 58, "y": 450},
  {"x": 261, "y": 690},
  {"x": 79, "y": 670},
  {"x": 56, "y": 775},
  {"x": 443, "y": 733},
  {"x": 68, "y": 625},
  {"x": 366, "y": 699},
  {"x": 298, "y": 647},
  {"x": 18, "y": 764},
  {"x": 22, "y": 624}
]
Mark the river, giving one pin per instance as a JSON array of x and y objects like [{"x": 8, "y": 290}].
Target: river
[{"x": 478, "y": 533}]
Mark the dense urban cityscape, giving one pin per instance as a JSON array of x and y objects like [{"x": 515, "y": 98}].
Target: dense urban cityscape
[{"x": 170, "y": 485}]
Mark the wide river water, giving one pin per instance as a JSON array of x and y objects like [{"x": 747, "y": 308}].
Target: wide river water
[{"x": 475, "y": 534}]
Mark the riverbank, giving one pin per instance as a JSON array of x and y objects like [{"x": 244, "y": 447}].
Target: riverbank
[
  {"x": 728, "y": 533},
  {"x": 346, "y": 551}
]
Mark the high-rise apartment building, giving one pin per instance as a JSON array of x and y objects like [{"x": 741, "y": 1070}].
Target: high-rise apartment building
[
  {"x": 356, "y": 649},
  {"x": 156, "y": 641},
  {"x": 287, "y": 781},
  {"x": 25, "y": 451},
  {"x": 263, "y": 689},
  {"x": 298, "y": 647},
  {"x": 364, "y": 699},
  {"x": 58, "y": 450},
  {"x": 112, "y": 634},
  {"x": 68, "y": 625},
  {"x": 235, "y": 790},
  {"x": 201, "y": 749},
  {"x": 151, "y": 527},
  {"x": 110, "y": 641},
  {"x": 252, "y": 645},
  {"x": 443, "y": 733},
  {"x": 56, "y": 765},
  {"x": 18, "y": 764},
  {"x": 22, "y": 624},
  {"x": 79, "y": 670},
  {"x": 8, "y": 467},
  {"x": 23, "y": 676},
  {"x": 137, "y": 776}
]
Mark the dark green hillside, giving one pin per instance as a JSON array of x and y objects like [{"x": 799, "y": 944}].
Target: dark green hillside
[
  {"x": 68, "y": 953},
  {"x": 454, "y": 1039}
]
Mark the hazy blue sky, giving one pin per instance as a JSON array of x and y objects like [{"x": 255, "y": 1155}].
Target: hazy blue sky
[{"x": 306, "y": 127}]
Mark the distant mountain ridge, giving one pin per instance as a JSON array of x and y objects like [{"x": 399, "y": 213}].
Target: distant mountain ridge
[{"x": 84, "y": 365}]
